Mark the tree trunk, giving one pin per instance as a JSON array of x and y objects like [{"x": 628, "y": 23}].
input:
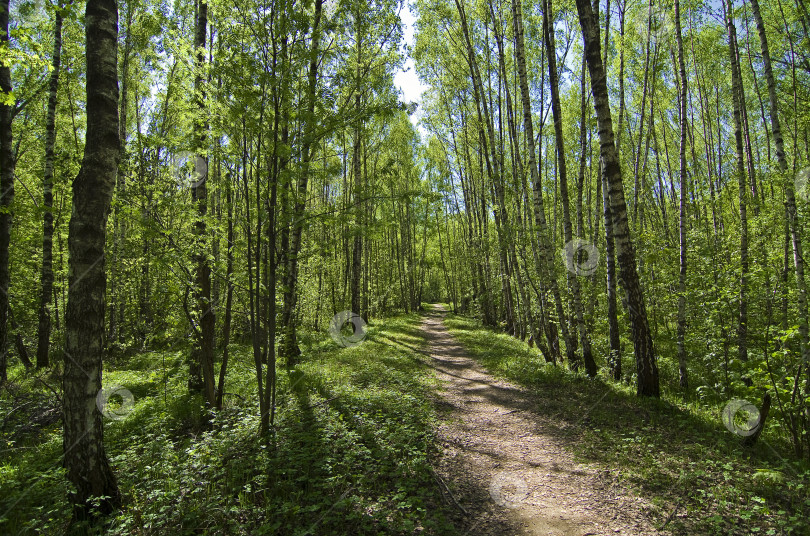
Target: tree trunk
[
  {"x": 736, "y": 83},
  {"x": 289, "y": 347},
  {"x": 6, "y": 189},
  {"x": 790, "y": 193},
  {"x": 85, "y": 459},
  {"x": 269, "y": 402},
  {"x": 637, "y": 164},
  {"x": 357, "y": 247},
  {"x": 646, "y": 365},
  {"x": 44, "y": 325},
  {"x": 614, "y": 359},
  {"x": 226, "y": 326},
  {"x": 527, "y": 317},
  {"x": 544, "y": 256},
  {"x": 683, "y": 376},
  {"x": 202, "y": 362},
  {"x": 573, "y": 281},
  {"x": 750, "y": 440},
  {"x": 502, "y": 224}
]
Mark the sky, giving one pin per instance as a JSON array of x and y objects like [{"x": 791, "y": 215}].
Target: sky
[{"x": 406, "y": 79}]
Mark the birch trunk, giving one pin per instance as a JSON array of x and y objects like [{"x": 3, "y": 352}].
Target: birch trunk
[
  {"x": 6, "y": 189},
  {"x": 562, "y": 171},
  {"x": 548, "y": 281},
  {"x": 683, "y": 375},
  {"x": 44, "y": 324},
  {"x": 646, "y": 365},
  {"x": 85, "y": 459}
]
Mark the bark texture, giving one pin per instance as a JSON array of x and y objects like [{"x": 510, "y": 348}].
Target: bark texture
[
  {"x": 85, "y": 460},
  {"x": 548, "y": 281},
  {"x": 44, "y": 325},
  {"x": 683, "y": 376},
  {"x": 6, "y": 190},
  {"x": 646, "y": 363},
  {"x": 562, "y": 172},
  {"x": 736, "y": 90},
  {"x": 790, "y": 194},
  {"x": 201, "y": 377}
]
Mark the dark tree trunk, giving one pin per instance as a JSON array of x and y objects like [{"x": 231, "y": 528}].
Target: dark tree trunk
[
  {"x": 573, "y": 281},
  {"x": 646, "y": 365},
  {"x": 548, "y": 279},
  {"x": 750, "y": 440},
  {"x": 44, "y": 325},
  {"x": 226, "y": 326},
  {"x": 289, "y": 347},
  {"x": 6, "y": 190},
  {"x": 790, "y": 193},
  {"x": 269, "y": 402},
  {"x": 682, "y": 372},
  {"x": 201, "y": 377},
  {"x": 736, "y": 90},
  {"x": 85, "y": 459}
]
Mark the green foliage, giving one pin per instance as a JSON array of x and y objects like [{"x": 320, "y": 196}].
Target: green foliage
[
  {"x": 353, "y": 438},
  {"x": 676, "y": 453},
  {"x": 350, "y": 454}
]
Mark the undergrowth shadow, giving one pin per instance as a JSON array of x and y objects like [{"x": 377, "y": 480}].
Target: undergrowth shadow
[{"x": 695, "y": 471}]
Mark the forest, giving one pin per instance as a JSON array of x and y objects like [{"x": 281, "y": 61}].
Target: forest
[{"x": 452, "y": 267}]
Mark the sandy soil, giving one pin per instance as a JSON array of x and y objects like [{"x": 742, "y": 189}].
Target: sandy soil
[{"x": 503, "y": 471}]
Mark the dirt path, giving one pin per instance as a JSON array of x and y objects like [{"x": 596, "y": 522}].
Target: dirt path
[{"x": 507, "y": 474}]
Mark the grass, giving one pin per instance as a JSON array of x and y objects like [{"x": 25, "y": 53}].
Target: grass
[
  {"x": 674, "y": 451},
  {"x": 350, "y": 452}
]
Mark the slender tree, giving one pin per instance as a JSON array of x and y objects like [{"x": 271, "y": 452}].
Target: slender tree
[
  {"x": 6, "y": 186},
  {"x": 790, "y": 192},
  {"x": 94, "y": 485},
  {"x": 202, "y": 361},
  {"x": 614, "y": 337},
  {"x": 683, "y": 377},
  {"x": 290, "y": 348},
  {"x": 544, "y": 255},
  {"x": 44, "y": 325},
  {"x": 736, "y": 91},
  {"x": 357, "y": 246},
  {"x": 646, "y": 363},
  {"x": 562, "y": 173}
]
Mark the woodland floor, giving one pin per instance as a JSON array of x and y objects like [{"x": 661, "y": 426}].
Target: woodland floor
[
  {"x": 506, "y": 467},
  {"x": 433, "y": 425}
]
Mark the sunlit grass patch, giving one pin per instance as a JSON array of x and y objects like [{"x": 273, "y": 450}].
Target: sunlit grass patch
[
  {"x": 349, "y": 453},
  {"x": 673, "y": 452}
]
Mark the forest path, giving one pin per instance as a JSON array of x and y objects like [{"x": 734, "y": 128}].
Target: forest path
[{"x": 510, "y": 475}]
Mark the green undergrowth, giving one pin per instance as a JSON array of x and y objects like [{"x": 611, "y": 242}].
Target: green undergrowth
[
  {"x": 353, "y": 436},
  {"x": 674, "y": 452}
]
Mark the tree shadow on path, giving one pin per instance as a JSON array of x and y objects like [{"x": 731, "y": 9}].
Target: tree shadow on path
[{"x": 505, "y": 466}]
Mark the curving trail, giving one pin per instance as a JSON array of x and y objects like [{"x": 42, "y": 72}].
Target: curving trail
[{"x": 502, "y": 472}]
